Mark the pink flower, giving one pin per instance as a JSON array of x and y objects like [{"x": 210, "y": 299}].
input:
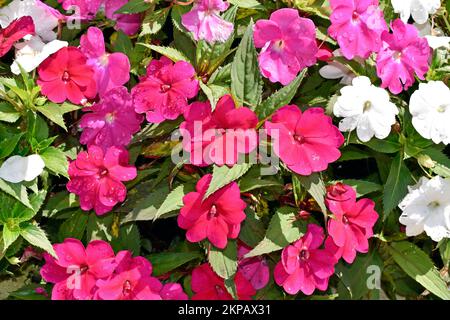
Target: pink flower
[
  {"x": 352, "y": 224},
  {"x": 96, "y": 177},
  {"x": 403, "y": 54},
  {"x": 66, "y": 75},
  {"x": 205, "y": 23},
  {"x": 173, "y": 291},
  {"x": 218, "y": 136},
  {"x": 357, "y": 26},
  {"x": 255, "y": 269},
  {"x": 77, "y": 269},
  {"x": 288, "y": 45},
  {"x": 112, "y": 121},
  {"x": 338, "y": 194},
  {"x": 306, "y": 142},
  {"x": 128, "y": 23},
  {"x": 207, "y": 285},
  {"x": 111, "y": 69},
  {"x": 131, "y": 280},
  {"x": 163, "y": 93},
  {"x": 303, "y": 266},
  {"x": 15, "y": 31},
  {"x": 82, "y": 9},
  {"x": 217, "y": 217}
]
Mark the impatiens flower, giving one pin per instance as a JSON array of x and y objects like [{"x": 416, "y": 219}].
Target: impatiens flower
[
  {"x": 218, "y": 136},
  {"x": 97, "y": 176},
  {"x": 336, "y": 70},
  {"x": 216, "y": 218},
  {"x": 352, "y": 223},
  {"x": 254, "y": 269},
  {"x": 288, "y": 45},
  {"x": 15, "y": 31},
  {"x": 30, "y": 54},
  {"x": 66, "y": 75},
  {"x": 365, "y": 108},
  {"x": 427, "y": 208},
  {"x": 17, "y": 169},
  {"x": 305, "y": 141},
  {"x": 82, "y": 9},
  {"x": 430, "y": 110},
  {"x": 435, "y": 36},
  {"x": 403, "y": 54},
  {"x": 418, "y": 9},
  {"x": 131, "y": 280},
  {"x": 77, "y": 269},
  {"x": 128, "y": 23},
  {"x": 357, "y": 26},
  {"x": 339, "y": 195},
  {"x": 207, "y": 285},
  {"x": 44, "y": 17},
  {"x": 173, "y": 291},
  {"x": 163, "y": 93},
  {"x": 112, "y": 120},
  {"x": 205, "y": 23},
  {"x": 303, "y": 266},
  {"x": 111, "y": 69}
]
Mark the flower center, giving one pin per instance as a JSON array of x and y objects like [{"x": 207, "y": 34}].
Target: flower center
[
  {"x": 299, "y": 138},
  {"x": 212, "y": 212},
  {"x": 126, "y": 290},
  {"x": 104, "y": 59},
  {"x": 109, "y": 117},
  {"x": 83, "y": 269},
  {"x": 66, "y": 76},
  {"x": 355, "y": 16},
  {"x": 103, "y": 173},
  {"x": 165, "y": 87},
  {"x": 304, "y": 255},
  {"x": 434, "y": 204},
  {"x": 442, "y": 108},
  {"x": 397, "y": 55},
  {"x": 367, "y": 106},
  {"x": 279, "y": 45},
  {"x": 344, "y": 219}
]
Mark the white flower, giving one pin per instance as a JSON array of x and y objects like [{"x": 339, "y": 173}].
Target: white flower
[
  {"x": 365, "y": 108},
  {"x": 418, "y": 9},
  {"x": 427, "y": 208},
  {"x": 430, "y": 109},
  {"x": 30, "y": 54},
  {"x": 44, "y": 17},
  {"x": 336, "y": 70},
  {"x": 435, "y": 36},
  {"x": 17, "y": 169}
]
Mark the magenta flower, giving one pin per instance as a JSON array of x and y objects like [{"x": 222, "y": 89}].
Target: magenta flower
[
  {"x": 217, "y": 217},
  {"x": 163, "y": 93},
  {"x": 303, "y": 266},
  {"x": 97, "y": 176},
  {"x": 306, "y": 142},
  {"x": 207, "y": 285},
  {"x": 255, "y": 269},
  {"x": 403, "y": 53},
  {"x": 352, "y": 224},
  {"x": 173, "y": 291},
  {"x": 111, "y": 122},
  {"x": 288, "y": 45},
  {"x": 128, "y": 23},
  {"x": 338, "y": 194},
  {"x": 218, "y": 136},
  {"x": 111, "y": 69},
  {"x": 77, "y": 269},
  {"x": 357, "y": 26},
  {"x": 205, "y": 23},
  {"x": 82, "y": 9}
]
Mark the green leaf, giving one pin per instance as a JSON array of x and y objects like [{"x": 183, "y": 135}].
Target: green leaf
[
  {"x": 224, "y": 262},
  {"x": 55, "y": 112},
  {"x": 223, "y": 175},
  {"x": 17, "y": 191},
  {"x": 253, "y": 180},
  {"x": 167, "y": 261},
  {"x": 247, "y": 4},
  {"x": 37, "y": 237},
  {"x": 123, "y": 44},
  {"x": 135, "y": 6},
  {"x": 9, "y": 236},
  {"x": 396, "y": 186},
  {"x": 246, "y": 82},
  {"x": 350, "y": 152},
  {"x": 388, "y": 145},
  {"x": 316, "y": 188},
  {"x": 154, "y": 21},
  {"x": 363, "y": 187},
  {"x": 444, "y": 250},
  {"x": 129, "y": 239},
  {"x": 284, "y": 228},
  {"x": 419, "y": 266},
  {"x": 213, "y": 93},
  {"x": 8, "y": 145},
  {"x": 8, "y": 113},
  {"x": 171, "y": 53},
  {"x": 99, "y": 227},
  {"x": 56, "y": 161},
  {"x": 74, "y": 227},
  {"x": 174, "y": 200},
  {"x": 252, "y": 229},
  {"x": 281, "y": 97}
]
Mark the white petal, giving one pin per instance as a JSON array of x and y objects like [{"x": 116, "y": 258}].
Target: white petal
[
  {"x": 331, "y": 71},
  {"x": 17, "y": 169},
  {"x": 438, "y": 42}
]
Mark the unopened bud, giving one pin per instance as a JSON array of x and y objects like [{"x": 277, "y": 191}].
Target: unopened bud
[{"x": 425, "y": 161}]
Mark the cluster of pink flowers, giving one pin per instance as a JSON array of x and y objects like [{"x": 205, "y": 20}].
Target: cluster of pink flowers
[{"x": 96, "y": 273}]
